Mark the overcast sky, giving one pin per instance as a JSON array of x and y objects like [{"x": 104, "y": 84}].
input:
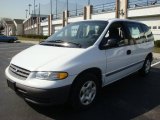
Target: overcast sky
[{"x": 16, "y": 8}]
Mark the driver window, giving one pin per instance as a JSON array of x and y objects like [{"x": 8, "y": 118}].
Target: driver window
[{"x": 116, "y": 31}]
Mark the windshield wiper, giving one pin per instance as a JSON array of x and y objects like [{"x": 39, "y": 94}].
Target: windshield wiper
[
  {"x": 77, "y": 44},
  {"x": 56, "y": 41},
  {"x": 61, "y": 41}
]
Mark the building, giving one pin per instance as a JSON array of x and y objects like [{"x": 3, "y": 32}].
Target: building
[
  {"x": 13, "y": 27},
  {"x": 146, "y": 11},
  {"x": 9, "y": 27},
  {"x": 19, "y": 26}
]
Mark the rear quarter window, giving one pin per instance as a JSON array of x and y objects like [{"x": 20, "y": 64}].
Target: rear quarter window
[
  {"x": 136, "y": 33},
  {"x": 147, "y": 32}
]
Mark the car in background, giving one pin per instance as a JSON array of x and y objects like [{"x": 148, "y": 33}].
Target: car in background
[{"x": 4, "y": 38}]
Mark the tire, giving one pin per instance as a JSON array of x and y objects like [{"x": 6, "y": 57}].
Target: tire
[
  {"x": 85, "y": 91},
  {"x": 11, "y": 41},
  {"x": 145, "y": 70}
]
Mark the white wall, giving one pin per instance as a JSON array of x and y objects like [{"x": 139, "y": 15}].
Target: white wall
[
  {"x": 19, "y": 29},
  {"x": 75, "y": 19},
  {"x": 144, "y": 11},
  {"x": 108, "y": 15},
  {"x": 45, "y": 30}
]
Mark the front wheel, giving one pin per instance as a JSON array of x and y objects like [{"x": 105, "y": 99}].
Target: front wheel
[
  {"x": 85, "y": 91},
  {"x": 146, "y": 67}
]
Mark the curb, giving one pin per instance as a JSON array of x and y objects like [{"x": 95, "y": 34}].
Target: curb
[{"x": 32, "y": 42}]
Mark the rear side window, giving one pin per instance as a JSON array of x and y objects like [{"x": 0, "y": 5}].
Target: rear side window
[
  {"x": 136, "y": 33},
  {"x": 147, "y": 32}
]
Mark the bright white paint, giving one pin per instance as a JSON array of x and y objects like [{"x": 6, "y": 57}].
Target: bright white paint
[{"x": 76, "y": 60}]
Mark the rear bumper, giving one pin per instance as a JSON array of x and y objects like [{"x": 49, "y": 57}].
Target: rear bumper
[{"x": 41, "y": 96}]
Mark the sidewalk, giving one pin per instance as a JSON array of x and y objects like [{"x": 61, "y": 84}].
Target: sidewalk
[{"x": 156, "y": 55}]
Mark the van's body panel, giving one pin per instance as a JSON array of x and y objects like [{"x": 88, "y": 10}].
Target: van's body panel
[{"x": 113, "y": 64}]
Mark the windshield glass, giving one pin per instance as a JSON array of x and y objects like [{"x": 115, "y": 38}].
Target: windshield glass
[{"x": 79, "y": 34}]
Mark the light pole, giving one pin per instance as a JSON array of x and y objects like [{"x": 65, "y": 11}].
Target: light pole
[
  {"x": 51, "y": 6},
  {"x": 56, "y": 8},
  {"x": 29, "y": 8},
  {"x": 39, "y": 9},
  {"x": 89, "y": 2},
  {"x": 34, "y": 6},
  {"x": 67, "y": 5},
  {"x": 26, "y": 12},
  {"x": 76, "y": 7}
]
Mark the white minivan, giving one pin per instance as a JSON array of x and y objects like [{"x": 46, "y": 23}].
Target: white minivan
[{"x": 77, "y": 61}]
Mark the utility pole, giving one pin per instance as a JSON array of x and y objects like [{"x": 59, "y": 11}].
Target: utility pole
[
  {"x": 29, "y": 8},
  {"x": 39, "y": 9},
  {"x": 26, "y": 12},
  {"x": 34, "y": 6},
  {"x": 76, "y": 8},
  {"x": 51, "y": 6},
  {"x": 56, "y": 8},
  {"x": 89, "y": 2},
  {"x": 67, "y": 5}
]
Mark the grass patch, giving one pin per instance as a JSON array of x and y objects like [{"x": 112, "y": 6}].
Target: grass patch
[
  {"x": 156, "y": 49},
  {"x": 28, "y": 39}
]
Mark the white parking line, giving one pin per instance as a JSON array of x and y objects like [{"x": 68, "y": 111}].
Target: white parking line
[{"x": 155, "y": 64}]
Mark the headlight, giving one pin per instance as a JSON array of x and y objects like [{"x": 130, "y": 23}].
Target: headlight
[{"x": 49, "y": 75}]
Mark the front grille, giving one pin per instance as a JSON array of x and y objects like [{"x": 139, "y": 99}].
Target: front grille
[{"x": 18, "y": 71}]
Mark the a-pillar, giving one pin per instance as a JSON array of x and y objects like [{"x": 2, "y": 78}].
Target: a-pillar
[
  {"x": 123, "y": 9},
  {"x": 88, "y": 12},
  {"x": 65, "y": 17},
  {"x": 50, "y": 18}
]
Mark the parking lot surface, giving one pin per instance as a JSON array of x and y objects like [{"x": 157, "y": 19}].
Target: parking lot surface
[{"x": 133, "y": 97}]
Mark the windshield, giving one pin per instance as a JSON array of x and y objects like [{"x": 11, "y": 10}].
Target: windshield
[{"x": 79, "y": 34}]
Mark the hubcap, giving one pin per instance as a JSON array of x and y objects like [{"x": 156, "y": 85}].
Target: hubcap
[
  {"x": 87, "y": 93},
  {"x": 147, "y": 66}
]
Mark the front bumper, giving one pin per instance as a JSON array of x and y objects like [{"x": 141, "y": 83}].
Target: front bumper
[
  {"x": 41, "y": 96},
  {"x": 40, "y": 91}
]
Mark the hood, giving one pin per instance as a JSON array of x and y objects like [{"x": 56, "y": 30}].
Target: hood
[{"x": 39, "y": 55}]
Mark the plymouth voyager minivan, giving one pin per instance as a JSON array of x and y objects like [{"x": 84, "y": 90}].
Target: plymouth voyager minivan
[{"x": 76, "y": 62}]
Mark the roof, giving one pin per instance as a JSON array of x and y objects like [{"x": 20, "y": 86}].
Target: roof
[
  {"x": 9, "y": 22},
  {"x": 112, "y": 20},
  {"x": 18, "y": 21}
]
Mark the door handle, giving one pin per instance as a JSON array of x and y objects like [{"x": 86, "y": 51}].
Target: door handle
[{"x": 128, "y": 52}]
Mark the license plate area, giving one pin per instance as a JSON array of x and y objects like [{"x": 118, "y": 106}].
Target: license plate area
[{"x": 12, "y": 85}]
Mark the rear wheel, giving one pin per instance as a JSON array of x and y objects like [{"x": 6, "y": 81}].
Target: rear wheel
[
  {"x": 11, "y": 41},
  {"x": 85, "y": 91},
  {"x": 146, "y": 67}
]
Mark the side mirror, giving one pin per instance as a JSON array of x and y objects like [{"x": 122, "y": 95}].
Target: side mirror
[{"x": 111, "y": 43}]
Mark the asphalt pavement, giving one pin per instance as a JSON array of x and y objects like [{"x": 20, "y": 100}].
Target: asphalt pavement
[{"x": 133, "y": 97}]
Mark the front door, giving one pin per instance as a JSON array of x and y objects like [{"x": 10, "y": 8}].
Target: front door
[{"x": 117, "y": 55}]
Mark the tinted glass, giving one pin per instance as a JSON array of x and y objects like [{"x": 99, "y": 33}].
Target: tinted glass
[
  {"x": 136, "y": 33},
  {"x": 117, "y": 32},
  {"x": 147, "y": 32}
]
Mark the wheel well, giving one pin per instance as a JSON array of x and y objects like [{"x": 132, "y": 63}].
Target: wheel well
[
  {"x": 150, "y": 55},
  {"x": 94, "y": 71}
]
